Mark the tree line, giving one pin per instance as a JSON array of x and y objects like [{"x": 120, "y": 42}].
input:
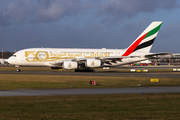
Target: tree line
[{"x": 6, "y": 54}]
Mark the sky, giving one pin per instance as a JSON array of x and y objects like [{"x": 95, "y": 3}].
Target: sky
[{"x": 87, "y": 23}]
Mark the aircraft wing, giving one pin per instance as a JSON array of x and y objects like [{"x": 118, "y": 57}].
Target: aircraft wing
[
  {"x": 155, "y": 54},
  {"x": 103, "y": 59},
  {"x": 82, "y": 60}
]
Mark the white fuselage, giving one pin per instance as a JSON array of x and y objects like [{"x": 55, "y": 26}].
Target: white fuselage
[{"x": 51, "y": 56}]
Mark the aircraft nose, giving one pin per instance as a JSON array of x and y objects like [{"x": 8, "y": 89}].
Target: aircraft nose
[{"x": 9, "y": 60}]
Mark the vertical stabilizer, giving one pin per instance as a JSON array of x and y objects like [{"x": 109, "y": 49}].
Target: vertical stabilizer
[{"x": 145, "y": 41}]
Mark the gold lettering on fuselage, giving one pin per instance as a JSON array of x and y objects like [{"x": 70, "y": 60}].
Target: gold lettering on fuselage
[
  {"x": 44, "y": 56},
  {"x": 33, "y": 56},
  {"x": 30, "y": 56}
]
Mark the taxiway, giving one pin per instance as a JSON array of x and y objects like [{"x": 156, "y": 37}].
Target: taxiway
[
  {"x": 95, "y": 91},
  {"x": 104, "y": 73}
]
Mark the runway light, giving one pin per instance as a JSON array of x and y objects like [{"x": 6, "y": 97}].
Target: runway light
[
  {"x": 145, "y": 70},
  {"x": 132, "y": 70}
]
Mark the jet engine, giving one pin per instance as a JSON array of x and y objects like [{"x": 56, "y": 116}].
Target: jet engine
[
  {"x": 70, "y": 65},
  {"x": 93, "y": 63}
]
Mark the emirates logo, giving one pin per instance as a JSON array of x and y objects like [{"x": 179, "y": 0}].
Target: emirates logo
[
  {"x": 69, "y": 65},
  {"x": 93, "y": 63}
]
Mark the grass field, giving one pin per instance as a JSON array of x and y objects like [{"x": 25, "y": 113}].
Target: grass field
[
  {"x": 16, "y": 81},
  {"x": 91, "y": 107},
  {"x": 81, "y": 107}
]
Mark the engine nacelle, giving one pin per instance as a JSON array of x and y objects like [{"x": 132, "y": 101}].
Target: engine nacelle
[
  {"x": 70, "y": 65},
  {"x": 93, "y": 63}
]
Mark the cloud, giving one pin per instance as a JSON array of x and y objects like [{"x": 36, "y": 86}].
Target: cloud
[
  {"x": 24, "y": 11},
  {"x": 132, "y": 7},
  {"x": 16, "y": 12},
  {"x": 44, "y": 11},
  {"x": 51, "y": 10}
]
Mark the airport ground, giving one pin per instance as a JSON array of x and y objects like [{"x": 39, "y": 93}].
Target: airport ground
[
  {"x": 92, "y": 107},
  {"x": 100, "y": 106}
]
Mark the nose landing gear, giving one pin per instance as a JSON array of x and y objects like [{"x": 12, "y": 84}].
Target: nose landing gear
[{"x": 18, "y": 69}]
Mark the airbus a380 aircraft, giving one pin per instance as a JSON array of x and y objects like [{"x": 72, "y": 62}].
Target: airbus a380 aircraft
[{"x": 86, "y": 59}]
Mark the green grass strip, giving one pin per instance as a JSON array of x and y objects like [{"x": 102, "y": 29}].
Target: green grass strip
[
  {"x": 91, "y": 107},
  {"x": 21, "y": 81}
]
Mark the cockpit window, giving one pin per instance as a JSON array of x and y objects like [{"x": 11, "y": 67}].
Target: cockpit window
[{"x": 13, "y": 55}]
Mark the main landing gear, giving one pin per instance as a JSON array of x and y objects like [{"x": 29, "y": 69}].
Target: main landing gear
[{"x": 84, "y": 70}]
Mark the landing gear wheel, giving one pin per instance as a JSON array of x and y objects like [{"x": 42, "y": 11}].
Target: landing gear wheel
[
  {"x": 76, "y": 70},
  {"x": 84, "y": 70},
  {"x": 18, "y": 70}
]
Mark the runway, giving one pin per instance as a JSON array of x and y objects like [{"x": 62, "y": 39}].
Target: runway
[
  {"x": 96, "y": 91},
  {"x": 105, "y": 73}
]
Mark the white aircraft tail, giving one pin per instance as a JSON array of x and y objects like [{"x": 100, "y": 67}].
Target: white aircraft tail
[{"x": 145, "y": 41}]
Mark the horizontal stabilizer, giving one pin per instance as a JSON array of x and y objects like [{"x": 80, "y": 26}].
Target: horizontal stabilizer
[{"x": 155, "y": 54}]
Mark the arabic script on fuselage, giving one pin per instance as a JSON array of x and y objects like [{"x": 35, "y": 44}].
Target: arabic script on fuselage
[{"x": 44, "y": 56}]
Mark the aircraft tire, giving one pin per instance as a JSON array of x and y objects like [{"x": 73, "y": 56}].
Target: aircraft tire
[{"x": 18, "y": 70}]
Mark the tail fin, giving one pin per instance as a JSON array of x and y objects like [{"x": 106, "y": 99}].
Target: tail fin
[{"x": 145, "y": 41}]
